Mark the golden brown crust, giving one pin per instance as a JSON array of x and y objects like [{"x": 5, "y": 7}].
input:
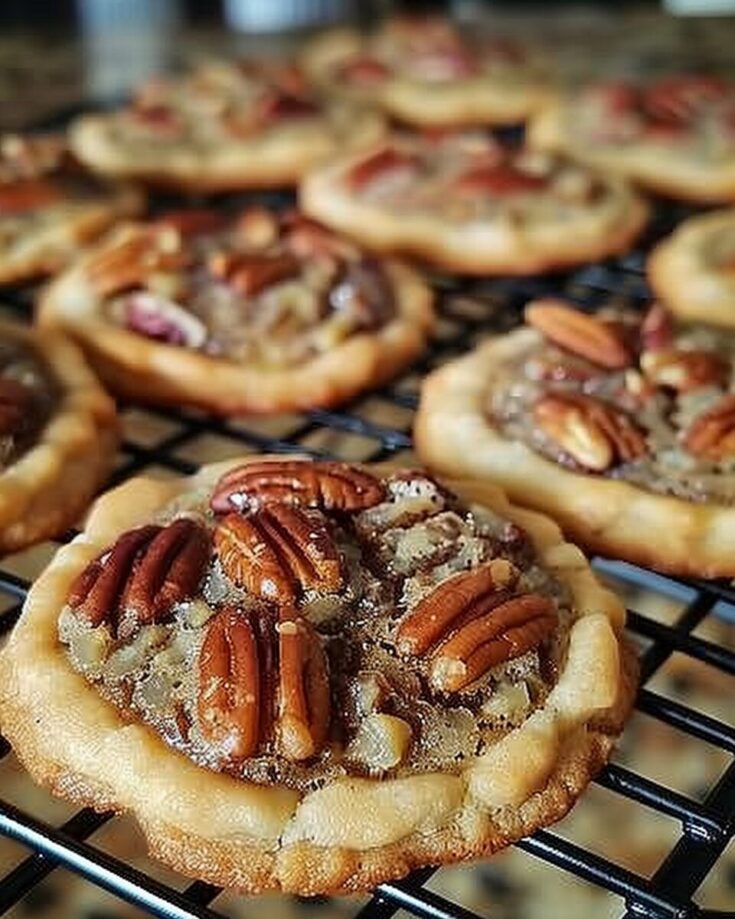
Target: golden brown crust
[
  {"x": 454, "y": 435},
  {"x": 685, "y": 178},
  {"x": 273, "y": 160},
  {"x": 44, "y": 251},
  {"x": 679, "y": 274},
  {"x": 47, "y": 488},
  {"x": 148, "y": 370},
  {"x": 352, "y": 833},
  {"x": 470, "y": 101},
  {"x": 495, "y": 247}
]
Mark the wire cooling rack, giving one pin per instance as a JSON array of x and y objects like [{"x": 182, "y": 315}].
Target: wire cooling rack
[{"x": 377, "y": 427}]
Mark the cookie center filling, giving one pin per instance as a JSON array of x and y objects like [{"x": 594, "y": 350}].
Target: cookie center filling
[
  {"x": 470, "y": 176},
  {"x": 625, "y": 396},
  {"x": 28, "y": 395},
  {"x": 264, "y": 290},
  {"x": 308, "y": 620}
]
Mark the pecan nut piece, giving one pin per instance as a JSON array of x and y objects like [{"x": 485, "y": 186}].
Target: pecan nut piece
[
  {"x": 683, "y": 371},
  {"x": 246, "y": 693},
  {"x": 142, "y": 576},
  {"x": 516, "y": 626},
  {"x": 330, "y": 485},
  {"x": 250, "y": 273},
  {"x": 277, "y": 549},
  {"x": 383, "y": 161},
  {"x": 26, "y": 195},
  {"x": 456, "y": 600},
  {"x": 586, "y": 336},
  {"x": 594, "y": 434},
  {"x": 235, "y": 683},
  {"x": 304, "y": 693},
  {"x": 657, "y": 328},
  {"x": 712, "y": 434},
  {"x": 128, "y": 264}
]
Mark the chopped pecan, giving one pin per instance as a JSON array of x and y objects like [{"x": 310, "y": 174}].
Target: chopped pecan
[
  {"x": 277, "y": 549},
  {"x": 594, "y": 434},
  {"x": 385, "y": 160},
  {"x": 684, "y": 370},
  {"x": 235, "y": 683},
  {"x": 362, "y": 290},
  {"x": 657, "y": 328},
  {"x": 584, "y": 335},
  {"x": 454, "y": 602},
  {"x": 257, "y": 227},
  {"x": 712, "y": 434},
  {"x": 331, "y": 485},
  {"x": 251, "y": 273},
  {"x": 304, "y": 694},
  {"x": 505, "y": 632},
  {"x": 137, "y": 581},
  {"x": 16, "y": 402},
  {"x": 277, "y": 106},
  {"x": 162, "y": 319}
]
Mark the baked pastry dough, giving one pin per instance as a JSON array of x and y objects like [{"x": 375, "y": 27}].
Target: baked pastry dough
[
  {"x": 255, "y": 314},
  {"x": 466, "y": 204},
  {"x": 674, "y": 136},
  {"x": 58, "y": 434},
  {"x": 49, "y": 207},
  {"x": 222, "y": 127},
  {"x": 424, "y": 72},
  {"x": 693, "y": 270},
  {"x": 618, "y": 426},
  {"x": 315, "y": 676}
]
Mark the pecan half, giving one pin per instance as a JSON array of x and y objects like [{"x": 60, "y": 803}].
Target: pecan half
[
  {"x": 594, "y": 434},
  {"x": 584, "y": 335},
  {"x": 16, "y": 402},
  {"x": 192, "y": 221},
  {"x": 27, "y": 194},
  {"x": 657, "y": 328},
  {"x": 676, "y": 99},
  {"x": 138, "y": 580},
  {"x": 712, "y": 434},
  {"x": 456, "y": 600},
  {"x": 331, "y": 485},
  {"x": 516, "y": 626},
  {"x": 235, "y": 683},
  {"x": 383, "y": 161},
  {"x": 304, "y": 695},
  {"x": 257, "y": 678},
  {"x": 684, "y": 370},
  {"x": 277, "y": 549},
  {"x": 503, "y": 179},
  {"x": 127, "y": 264},
  {"x": 251, "y": 273}
]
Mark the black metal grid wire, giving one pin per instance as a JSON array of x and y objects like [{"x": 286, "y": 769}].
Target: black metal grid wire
[{"x": 469, "y": 309}]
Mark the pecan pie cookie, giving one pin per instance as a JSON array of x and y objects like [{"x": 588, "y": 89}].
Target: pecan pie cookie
[
  {"x": 465, "y": 203},
  {"x": 675, "y": 136},
  {"x": 222, "y": 127},
  {"x": 314, "y": 675},
  {"x": 619, "y": 425},
  {"x": 49, "y": 206},
  {"x": 58, "y": 433},
  {"x": 425, "y": 72},
  {"x": 254, "y": 313},
  {"x": 693, "y": 271}
]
